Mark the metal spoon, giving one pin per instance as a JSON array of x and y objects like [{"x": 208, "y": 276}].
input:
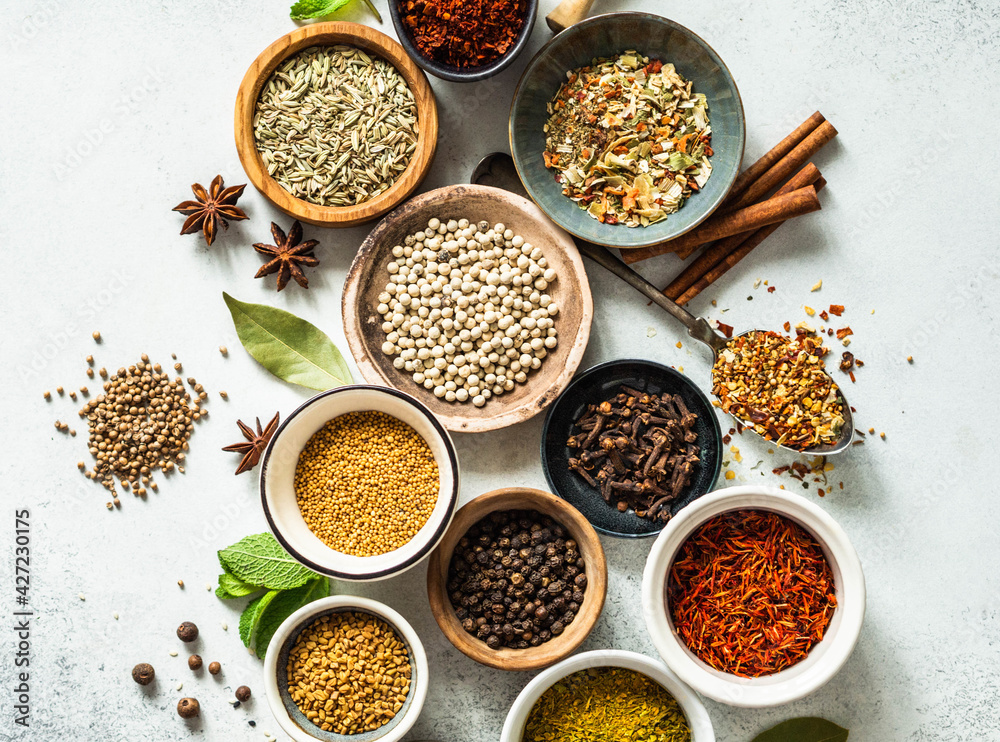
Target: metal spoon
[{"x": 497, "y": 170}]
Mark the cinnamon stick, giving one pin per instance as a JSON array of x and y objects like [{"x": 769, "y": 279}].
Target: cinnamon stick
[
  {"x": 745, "y": 179},
  {"x": 777, "y": 209},
  {"x": 781, "y": 170},
  {"x": 736, "y": 256},
  {"x": 719, "y": 250}
]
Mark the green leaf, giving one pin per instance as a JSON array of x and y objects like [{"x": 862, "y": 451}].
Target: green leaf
[
  {"x": 259, "y": 560},
  {"x": 251, "y": 615},
  {"x": 305, "y": 9},
  {"x": 288, "y": 346},
  {"x": 679, "y": 161},
  {"x": 231, "y": 587},
  {"x": 288, "y": 601},
  {"x": 806, "y": 729}
]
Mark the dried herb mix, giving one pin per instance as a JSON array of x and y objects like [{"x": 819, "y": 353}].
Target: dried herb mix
[
  {"x": 335, "y": 126},
  {"x": 750, "y": 593},
  {"x": 610, "y": 704},
  {"x": 629, "y": 139},
  {"x": 640, "y": 450}
]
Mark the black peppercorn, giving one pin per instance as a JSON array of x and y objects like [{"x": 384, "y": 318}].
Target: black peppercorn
[
  {"x": 188, "y": 708},
  {"x": 187, "y": 632},
  {"x": 580, "y": 581},
  {"x": 243, "y": 693},
  {"x": 493, "y": 641},
  {"x": 143, "y": 673}
]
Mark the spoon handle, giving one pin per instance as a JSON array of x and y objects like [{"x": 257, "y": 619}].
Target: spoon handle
[
  {"x": 567, "y": 13},
  {"x": 698, "y": 327}
]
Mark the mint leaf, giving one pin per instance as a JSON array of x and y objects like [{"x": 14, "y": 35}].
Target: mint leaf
[
  {"x": 259, "y": 560},
  {"x": 288, "y": 601},
  {"x": 231, "y": 587},
  {"x": 251, "y": 615},
  {"x": 305, "y": 9},
  {"x": 806, "y": 729}
]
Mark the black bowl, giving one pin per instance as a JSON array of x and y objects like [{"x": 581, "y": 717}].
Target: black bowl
[
  {"x": 594, "y": 386},
  {"x": 463, "y": 74}
]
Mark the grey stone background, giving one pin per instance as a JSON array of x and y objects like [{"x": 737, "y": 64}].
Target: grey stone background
[{"x": 110, "y": 110}]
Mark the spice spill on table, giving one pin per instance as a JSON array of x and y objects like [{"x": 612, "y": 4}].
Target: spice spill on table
[
  {"x": 516, "y": 579},
  {"x": 751, "y": 593},
  {"x": 628, "y": 139},
  {"x": 611, "y": 704}
]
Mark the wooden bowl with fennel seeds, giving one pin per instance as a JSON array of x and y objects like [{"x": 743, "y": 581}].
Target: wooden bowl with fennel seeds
[{"x": 335, "y": 125}]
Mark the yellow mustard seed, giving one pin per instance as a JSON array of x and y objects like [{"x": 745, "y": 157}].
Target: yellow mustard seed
[
  {"x": 366, "y": 483},
  {"x": 349, "y": 673}
]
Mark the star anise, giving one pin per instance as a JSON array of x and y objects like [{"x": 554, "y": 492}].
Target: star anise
[
  {"x": 286, "y": 255},
  {"x": 255, "y": 443},
  {"x": 213, "y": 207}
]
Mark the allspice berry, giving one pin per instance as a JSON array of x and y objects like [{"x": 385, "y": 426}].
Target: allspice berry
[
  {"x": 242, "y": 694},
  {"x": 187, "y": 632},
  {"x": 215, "y": 668},
  {"x": 143, "y": 673},
  {"x": 188, "y": 708},
  {"x": 194, "y": 661}
]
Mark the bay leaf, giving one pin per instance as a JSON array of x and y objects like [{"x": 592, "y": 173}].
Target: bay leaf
[
  {"x": 288, "y": 346},
  {"x": 805, "y": 729}
]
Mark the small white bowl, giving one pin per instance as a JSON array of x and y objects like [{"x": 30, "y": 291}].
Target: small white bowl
[
  {"x": 691, "y": 705},
  {"x": 824, "y": 660},
  {"x": 277, "y": 482},
  {"x": 292, "y": 721}
]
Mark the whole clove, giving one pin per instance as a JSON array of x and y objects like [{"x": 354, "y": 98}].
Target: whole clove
[{"x": 638, "y": 449}]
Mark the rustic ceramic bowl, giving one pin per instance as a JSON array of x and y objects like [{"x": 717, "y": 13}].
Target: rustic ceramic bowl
[
  {"x": 605, "y": 36},
  {"x": 694, "y": 710},
  {"x": 597, "y": 384},
  {"x": 823, "y": 661},
  {"x": 533, "y": 658},
  {"x": 277, "y": 482},
  {"x": 463, "y": 74},
  {"x": 571, "y": 291},
  {"x": 329, "y": 34},
  {"x": 291, "y": 719}
]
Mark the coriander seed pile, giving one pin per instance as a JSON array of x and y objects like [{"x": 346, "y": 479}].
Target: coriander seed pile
[
  {"x": 466, "y": 311},
  {"x": 140, "y": 423},
  {"x": 366, "y": 483},
  {"x": 349, "y": 673}
]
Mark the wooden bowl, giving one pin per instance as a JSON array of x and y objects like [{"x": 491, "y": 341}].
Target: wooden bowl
[
  {"x": 571, "y": 291},
  {"x": 328, "y": 34},
  {"x": 557, "y": 648}
]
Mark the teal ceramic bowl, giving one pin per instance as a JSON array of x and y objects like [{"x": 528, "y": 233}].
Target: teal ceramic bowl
[{"x": 606, "y": 36}]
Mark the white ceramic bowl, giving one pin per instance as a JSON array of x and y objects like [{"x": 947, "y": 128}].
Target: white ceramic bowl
[
  {"x": 277, "y": 477},
  {"x": 694, "y": 709},
  {"x": 291, "y": 720},
  {"x": 824, "y": 660}
]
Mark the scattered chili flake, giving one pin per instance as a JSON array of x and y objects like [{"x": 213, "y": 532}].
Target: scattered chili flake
[
  {"x": 843, "y": 332},
  {"x": 837, "y": 309},
  {"x": 726, "y": 330},
  {"x": 847, "y": 362},
  {"x": 824, "y": 316},
  {"x": 751, "y": 593},
  {"x": 771, "y": 289},
  {"x": 787, "y": 326}
]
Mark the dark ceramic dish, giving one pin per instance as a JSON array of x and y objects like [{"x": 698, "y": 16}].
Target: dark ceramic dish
[
  {"x": 606, "y": 36},
  {"x": 595, "y": 385},
  {"x": 463, "y": 74}
]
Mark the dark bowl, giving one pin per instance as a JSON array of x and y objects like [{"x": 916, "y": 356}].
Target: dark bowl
[
  {"x": 594, "y": 386},
  {"x": 463, "y": 74},
  {"x": 605, "y": 36}
]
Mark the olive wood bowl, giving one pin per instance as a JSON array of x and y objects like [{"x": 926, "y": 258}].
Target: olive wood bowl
[
  {"x": 571, "y": 291},
  {"x": 557, "y": 648},
  {"x": 329, "y": 34}
]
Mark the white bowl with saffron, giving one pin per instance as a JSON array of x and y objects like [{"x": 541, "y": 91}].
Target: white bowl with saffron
[
  {"x": 396, "y": 631},
  {"x": 355, "y": 514},
  {"x": 787, "y": 559},
  {"x": 516, "y": 726}
]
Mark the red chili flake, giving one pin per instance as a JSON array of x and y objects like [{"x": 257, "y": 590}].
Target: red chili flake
[
  {"x": 824, "y": 316},
  {"x": 770, "y": 289},
  {"x": 837, "y": 309},
  {"x": 727, "y": 439},
  {"x": 463, "y": 33},
  {"x": 751, "y": 593},
  {"x": 843, "y": 332},
  {"x": 847, "y": 362},
  {"x": 821, "y": 492},
  {"x": 727, "y": 330},
  {"x": 859, "y": 364},
  {"x": 787, "y": 326}
]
